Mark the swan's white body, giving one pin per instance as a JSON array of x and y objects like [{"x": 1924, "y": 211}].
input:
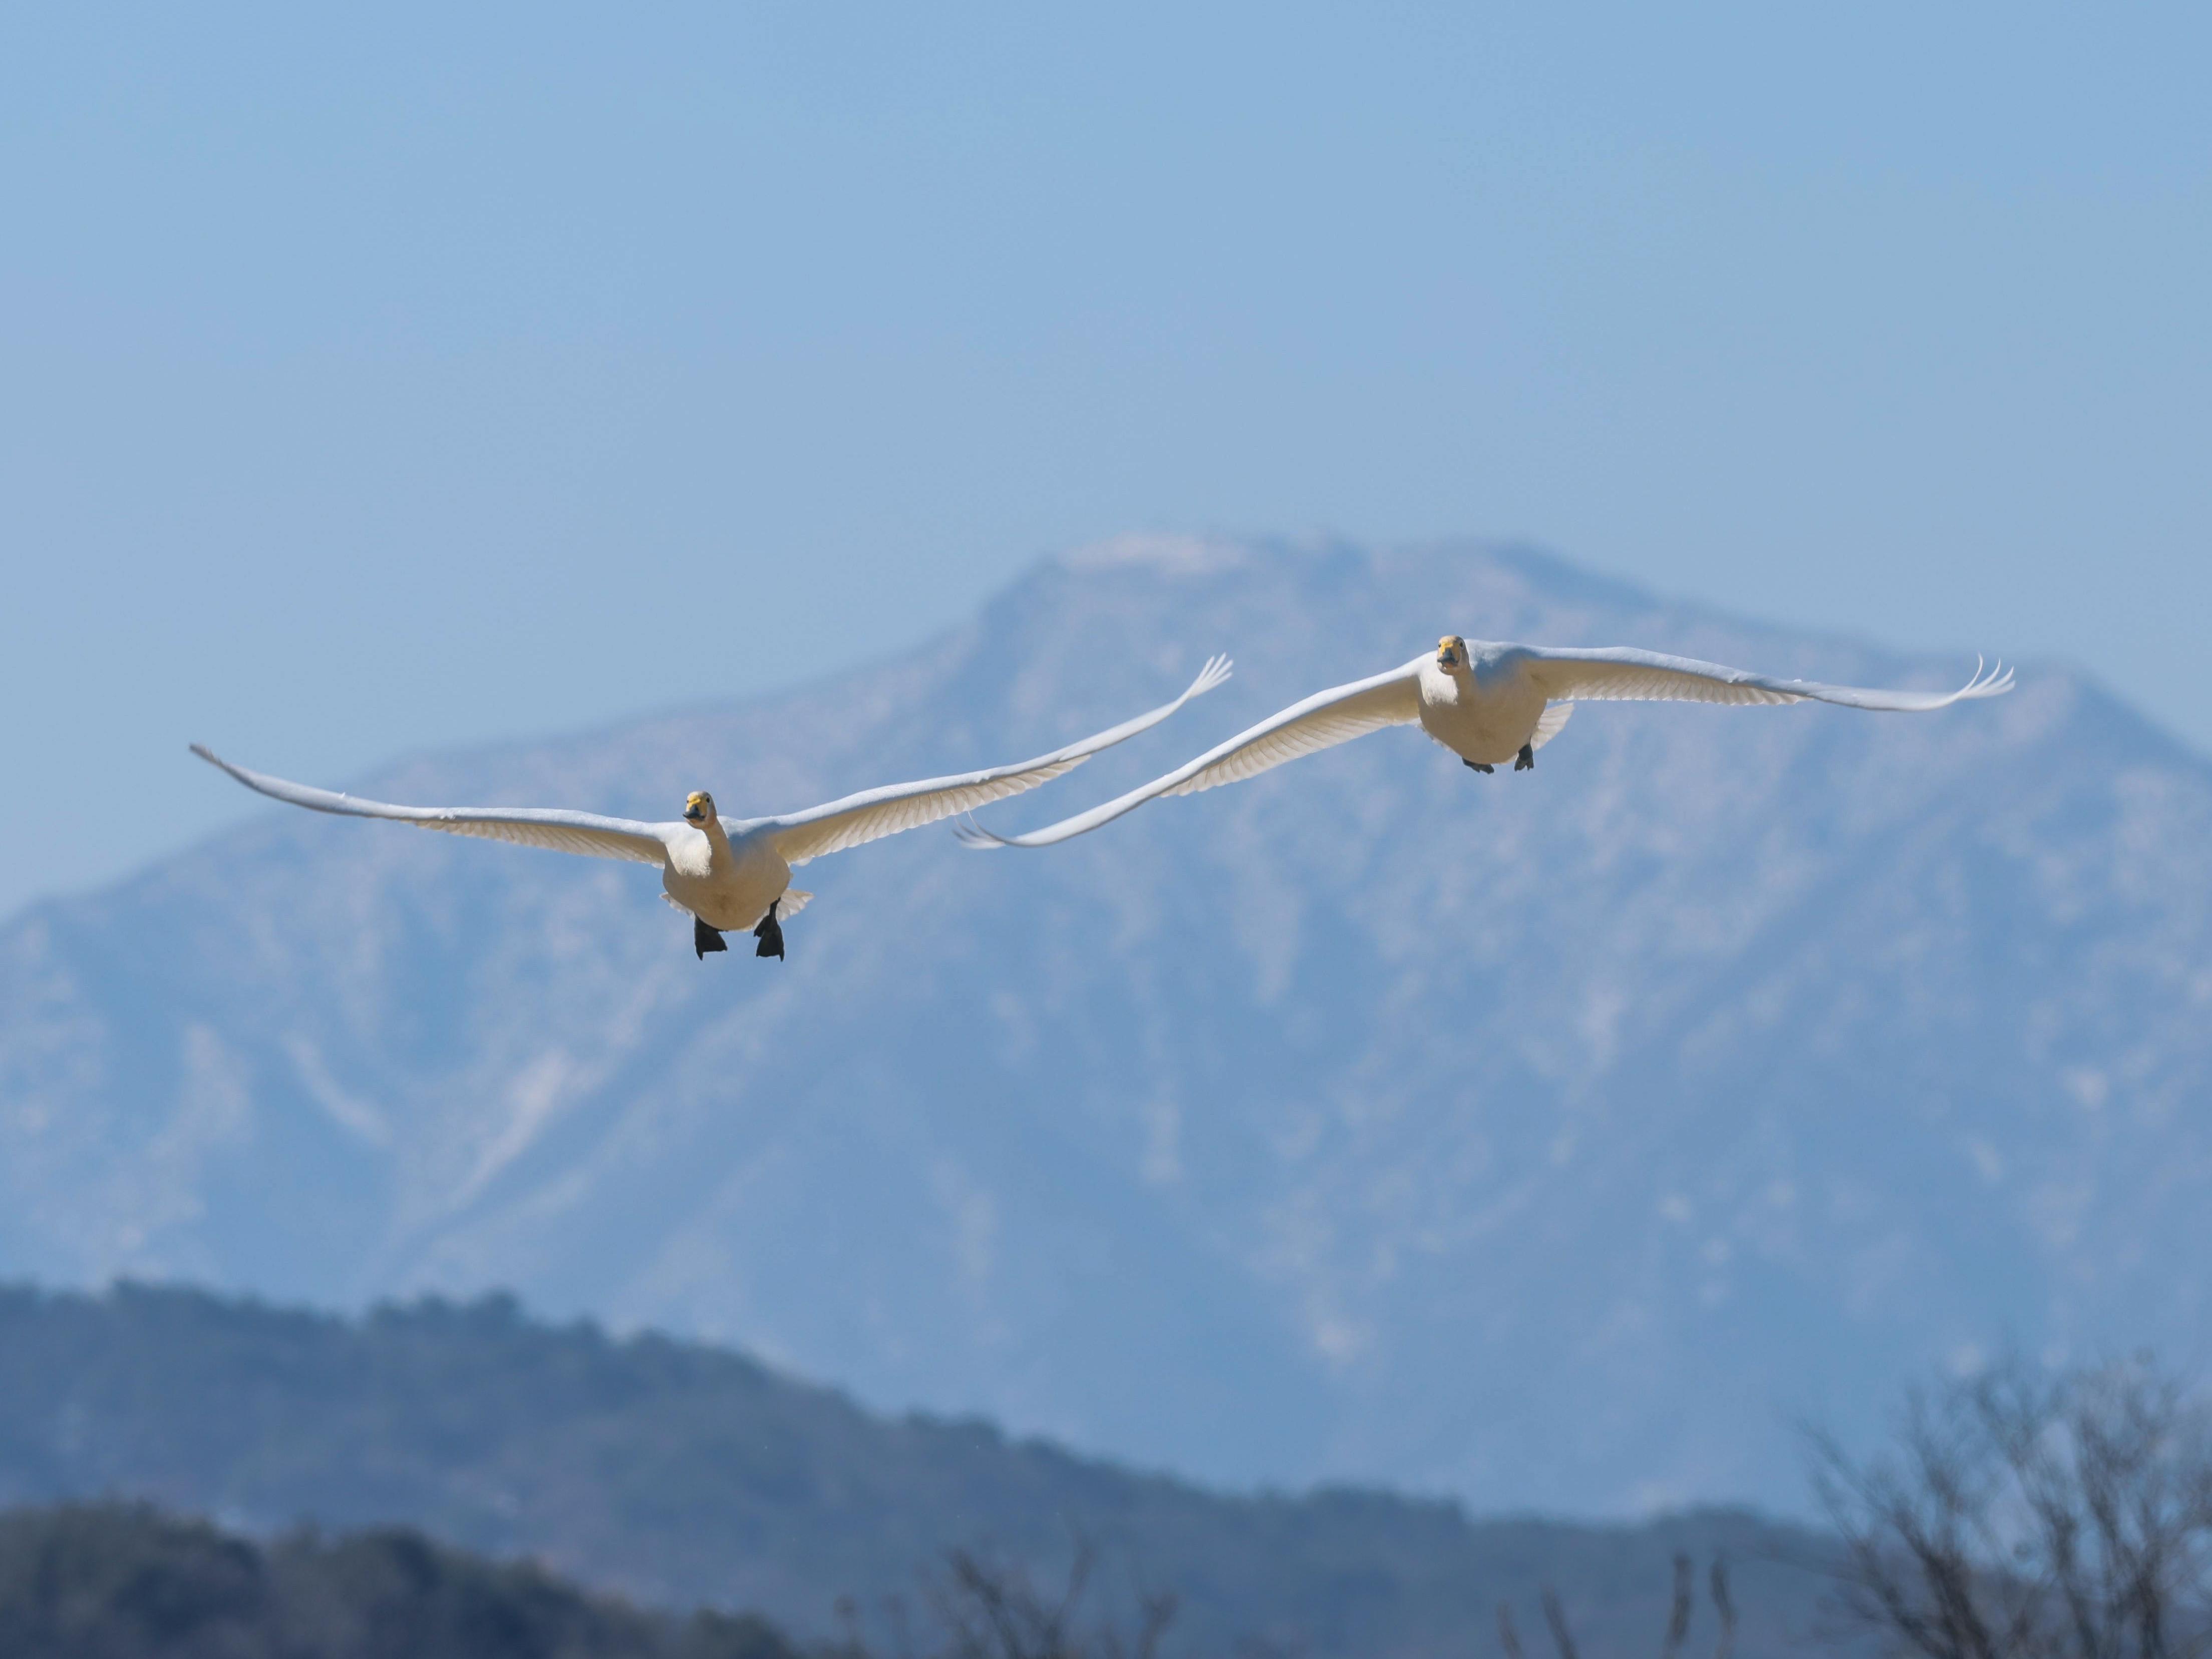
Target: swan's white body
[
  {"x": 729, "y": 871},
  {"x": 729, "y": 885},
  {"x": 1484, "y": 714},
  {"x": 1488, "y": 702}
]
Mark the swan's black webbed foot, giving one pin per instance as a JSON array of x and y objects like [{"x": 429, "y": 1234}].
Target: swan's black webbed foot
[
  {"x": 1526, "y": 760},
  {"x": 705, "y": 939},
  {"x": 770, "y": 934},
  {"x": 1477, "y": 766}
]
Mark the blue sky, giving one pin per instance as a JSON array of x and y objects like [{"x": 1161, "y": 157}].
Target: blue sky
[{"x": 381, "y": 382}]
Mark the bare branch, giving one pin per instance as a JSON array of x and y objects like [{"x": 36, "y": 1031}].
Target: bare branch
[
  {"x": 1556, "y": 1617},
  {"x": 1508, "y": 1637},
  {"x": 1678, "y": 1621},
  {"x": 1155, "y": 1614},
  {"x": 2031, "y": 1516}
]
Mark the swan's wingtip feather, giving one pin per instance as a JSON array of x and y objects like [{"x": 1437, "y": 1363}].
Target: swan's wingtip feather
[
  {"x": 1992, "y": 679},
  {"x": 227, "y": 767},
  {"x": 973, "y": 836},
  {"x": 1216, "y": 671}
]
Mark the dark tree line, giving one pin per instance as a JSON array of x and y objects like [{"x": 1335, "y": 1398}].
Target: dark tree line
[
  {"x": 113, "y": 1581},
  {"x": 686, "y": 1472},
  {"x": 124, "y": 1581},
  {"x": 2019, "y": 1515}
]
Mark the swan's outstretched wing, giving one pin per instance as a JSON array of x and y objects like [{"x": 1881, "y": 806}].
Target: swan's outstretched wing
[
  {"x": 1623, "y": 673},
  {"x": 878, "y": 812},
  {"x": 1321, "y": 722},
  {"x": 1548, "y": 724},
  {"x": 564, "y": 832}
]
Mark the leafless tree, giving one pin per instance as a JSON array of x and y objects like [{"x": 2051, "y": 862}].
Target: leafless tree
[
  {"x": 2024, "y": 1515},
  {"x": 1678, "y": 1618},
  {"x": 1724, "y": 1605},
  {"x": 983, "y": 1608},
  {"x": 1556, "y": 1617}
]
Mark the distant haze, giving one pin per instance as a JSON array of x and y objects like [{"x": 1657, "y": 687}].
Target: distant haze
[
  {"x": 1553, "y": 1139},
  {"x": 393, "y": 378}
]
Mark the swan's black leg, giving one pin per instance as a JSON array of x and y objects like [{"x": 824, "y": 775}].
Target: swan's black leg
[
  {"x": 770, "y": 934},
  {"x": 705, "y": 939},
  {"x": 1477, "y": 766},
  {"x": 1526, "y": 760}
]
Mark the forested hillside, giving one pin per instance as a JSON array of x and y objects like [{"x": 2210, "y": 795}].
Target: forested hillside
[
  {"x": 680, "y": 1474},
  {"x": 115, "y": 1581}
]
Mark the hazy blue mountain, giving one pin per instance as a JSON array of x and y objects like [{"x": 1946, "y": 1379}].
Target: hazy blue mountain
[
  {"x": 677, "y": 1474},
  {"x": 1551, "y": 1139}
]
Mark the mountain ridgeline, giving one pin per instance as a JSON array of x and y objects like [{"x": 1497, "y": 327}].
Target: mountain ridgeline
[
  {"x": 678, "y": 1474},
  {"x": 1553, "y": 1139}
]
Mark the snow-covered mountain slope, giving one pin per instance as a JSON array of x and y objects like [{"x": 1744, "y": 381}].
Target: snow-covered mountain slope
[{"x": 1553, "y": 1139}]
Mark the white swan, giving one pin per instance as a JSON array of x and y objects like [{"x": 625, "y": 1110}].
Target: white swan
[
  {"x": 1488, "y": 703},
  {"x": 733, "y": 874}
]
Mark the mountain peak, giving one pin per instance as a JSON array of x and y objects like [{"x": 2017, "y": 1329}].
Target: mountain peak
[
  {"x": 1158, "y": 551},
  {"x": 1552, "y": 1141}
]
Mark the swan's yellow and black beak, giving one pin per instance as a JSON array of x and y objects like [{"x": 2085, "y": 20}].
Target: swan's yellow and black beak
[
  {"x": 1451, "y": 653},
  {"x": 698, "y": 807}
]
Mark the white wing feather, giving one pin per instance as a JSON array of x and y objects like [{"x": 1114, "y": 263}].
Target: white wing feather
[
  {"x": 1321, "y": 722},
  {"x": 873, "y": 813},
  {"x": 562, "y": 831},
  {"x": 1623, "y": 673},
  {"x": 1548, "y": 723}
]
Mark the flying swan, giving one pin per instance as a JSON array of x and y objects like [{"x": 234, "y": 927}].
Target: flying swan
[
  {"x": 733, "y": 874},
  {"x": 1488, "y": 703}
]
